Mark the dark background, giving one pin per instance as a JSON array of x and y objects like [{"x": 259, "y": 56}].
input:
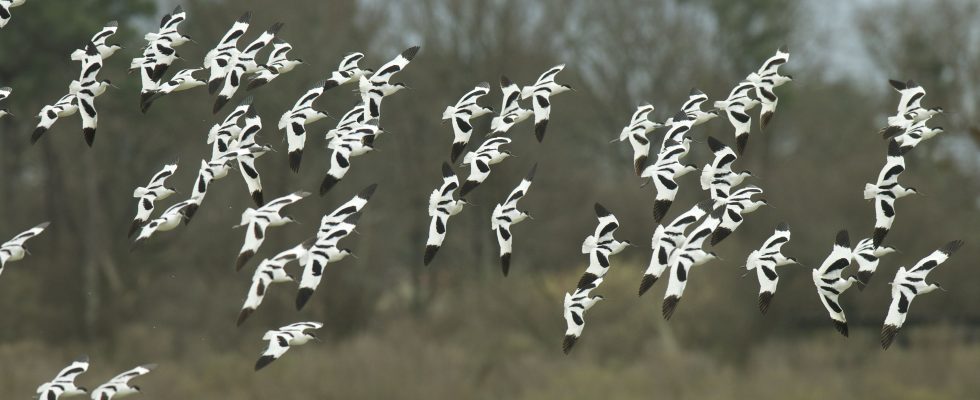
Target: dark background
[{"x": 458, "y": 329}]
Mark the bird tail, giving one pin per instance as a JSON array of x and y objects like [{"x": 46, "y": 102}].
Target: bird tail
[{"x": 869, "y": 191}]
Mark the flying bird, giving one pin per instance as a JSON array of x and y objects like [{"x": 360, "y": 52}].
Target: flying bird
[
  {"x": 223, "y": 136},
  {"x": 325, "y": 250},
  {"x": 63, "y": 384},
  {"x": 66, "y": 106},
  {"x": 765, "y": 260},
  {"x": 278, "y": 63},
  {"x": 442, "y": 206},
  {"x": 506, "y": 214},
  {"x": 149, "y": 194},
  {"x": 86, "y": 89},
  {"x": 687, "y": 256},
  {"x": 910, "y": 109},
  {"x": 830, "y": 285},
  {"x": 242, "y": 63},
  {"x": 351, "y": 120},
  {"x": 867, "y": 257},
  {"x": 717, "y": 176},
  {"x": 575, "y": 306},
  {"x": 886, "y": 190},
  {"x": 119, "y": 386},
  {"x": 257, "y": 221},
  {"x": 911, "y": 283},
  {"x": 377, "y": 87},
  {"x": 167, "y": 221},
  {"x": 351, "y": 207},
  {"x": 736, "y": 106},
  {"x": 600, "y": 246},
  {"x": 666, "y": 239},
  {"x": 541, "y": 92},
  {"x": 664, "y": 173},
  {"x": 511, "y": 112},
  {"x": 294, "y": 122},
  {"x": 246, "y": 161},
  {"x": 692, "y": 108},
  {"x": 270, "y": 271},
  {"x": 218, "y": 60},
  {"x": 99, "y": 40},
  {"x": 352, "y": 144},
  {"x": 915, "y": 134},
  {"x": 489, "y": 153},
  {"x": 14, "y": 249},
  {"x": 181, "y": 81},
  {"x": 282, "y": 339},
  {"x": 168, "y": 29},
  {"x": 460, "y": 116},
  {"x": 636, "y": 132},
  {"x": 736, "y": 205},
  {"x": 765, "y": 80},
  {"x": 347, "y": 71},
  {"x": 4, "y": 93}
]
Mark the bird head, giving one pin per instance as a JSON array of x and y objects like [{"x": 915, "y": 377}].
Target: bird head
[
  {"x": 289, "y": 219},
  {"x": 598, "y": 297}
]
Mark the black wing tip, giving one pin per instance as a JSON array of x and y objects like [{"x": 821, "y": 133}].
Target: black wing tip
[
  {"x": 894, "y": 149},
  {"x": 586, "y": 281},
  {"x": 765, "y": 118},
  {"x": 274, "y": 29},
  {"x": 843, "y": 239},
  {"x": 367, "y": 192},
  {"x": 243, "y": 259},
  {"x": 567, "y": 343},
  {"x": 864, "y": 277},
  {"x": 447, "y": 171},
  {"x": 456, "y": 151},
  {"x": 243, "y": 315},
  {"x": 36, "y": 135},
  {"x": 539, "y": 130},
  {"x": 505, "y": 263},
  {"x": 741, "y": 142},
  {"x": 505, "y": 81},
  {"x": 112, "y": 24},
  {"x": 669, "y": 305},
  {"x": 660, "y": 208},
  {"x": 263, "y": 362},
  {"x": 890, "y": 131},
  {"x": 329, "y": 84},
  {"x": 695, "y": 92},
  {"x": 783, "y": 226},
  {"x": 714, "y": 144},
  {"x": 135, "y": 226},
  {"x": 888, "y": 333},
  {"x": 89, "y": 134},
  {"x": 765, "y": 298},
  {"x": 530, "y": 174},
  {"x": 639, "y": 164},
  {"x": 353, "y": 218},
  {"x": 897, "y": 84},
  {"x": 302, "y": 297},
  {"x": 177, "y": 10},
  {"x": 256, "y": 82},
  {"x": 951, "y": 247},
  {"x": 410, "y": 52},
  {"x": 258, "y": 198},
  {"x": 189, "y": 212},
  {"x": 841, "y": 327},
  {"x": 878, "y": 236},
  {"x": 245, "y": 17},
  {"x": 467, "y": 187},
  {"x": 646, "y": 283},
  {"x": 600, "y": 210},
  {"x": 680, "y": 116},
  {"x": 295, "y": 159},
  {"x": 430, "y": 253},
  {"x": 218, "y": 104},
  {"x": 329, "y": 181},
  {"x": 719, "y": 234},
  {"x": 705, "y": 205},
  {"x": 214, "y": 85}
]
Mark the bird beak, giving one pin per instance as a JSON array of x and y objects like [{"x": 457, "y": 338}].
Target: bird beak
[
  {"x": 238, "y": 226},
  {"x": 355, "y": 256},
  {"x": 645, "y": 183},
  {"x": 530, "y": 217},
  {"x": 746, "y": 272},
  {"x": 939, "y": 287},
  {"x": 613, "y": 141}
]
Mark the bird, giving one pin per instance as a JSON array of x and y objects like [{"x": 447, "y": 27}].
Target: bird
[
  {"x": 119, "y": 386},
  {"x": 717, "y": 177},
  {"x": 442, "y": 206},
  {"x": 352, "y": 144},
  {"x": 915, "y": 134},
  {"x": 736, "y": 205},
  {"x": 489, "y": 153},
  {"x": 218, "y": 60},
  {"x": 600, "y": 246},
  {"x": 99, "y": 40},
  {"x": 736, "y": 106},
  {"x": 911, "y": 283},
  {"x": 246, "y": 161},
  {"x": 167, "y": 221},
  {"x": 155, "y": 61},
  {"x": 147, "y": 195},
  {"x": 63, "y": 384},
  {"x": 278, "y": 63},
  {"x": 511, "y": 112},
  {"x": 765, "y": 80},
  {"x": 86, "y": 89},
  {"x": 14, "y": 249},
  {"x": 347, "y": 71},
  {"x": 541, "y": 92},
  {"x": 223, "y": 136},
  {"x": 666, "y": 239},
  {"x": 765, "y": 260},
  {"x": 830, "y": 285},
  {"x": 350, "y": 121},
  {"x": 258, "y": 220},
  {"x": 272, "y": 270},
  {"x": 460, "y": 116},
  {"x": 5, "y": 6},
  {"x": 293, "y": 122},
  {"x": 692, "y": 108},
  {"x": 242, "y": 63},
  {"x": 664, "y": 173},
  {"x": 168, "y": 29},
  {"x": 677, "y": 128},
  {"x": 213, "y": 170},
  {"x": 325, "y": 250},
  {"x": 910, "y": 109},
  {"x": 636, "y": 132},
  {"x": 575, "y": 306},
  {"x": 886, "y": 190},
  {"x": 4, "y": 93},
  {"x": 867, "y": 256},
  {"x": 351, "y": 207},
  {"x": 688, "y": 255},
  {"x": 181, "y": 81},
  {"x": 280, "y": 340},
  {"x": 378, "y": 86},
  {"x": 66, "y": 106},
  {"x": 506, "y": 214}
]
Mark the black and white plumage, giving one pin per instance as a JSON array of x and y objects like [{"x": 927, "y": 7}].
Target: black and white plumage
[
  {"x": 168, "y": 29},
  {"x": 575, "y": 306},
  {"x": 736, "y": 106},
  {"x": 910, "y": 109},
  {"x": 692, "y": 108},
  {"x": 347, "y": 71},
  {"x": 149, "y": 194},
  {"x": 66, "y": 106},
  {"x": 86, "y": 89},
  {"x": 830, "y": 285},
  {"x": 218, "y": 60},
  {"x": 154, "y": 63},
  {"x": 461, "y": 115},
  {"x": 736, "y": 205},
  {"x": 765, "y": 260},
  {"x": 480, "y": 160},
  {"x": 915, "y": 134},
  {"x": 506, "y": 214},
  {"x": 278, "y": 63},
  {"x": 886, "y": 190},
  {"x": 664, "y": 173},
  {"x": 352, "y": 144},
  {"x": 293, "y": 122},
  {"x": 14, "y": 249},
  {"x": 223, "y": 136},
  {"x": 687, "y": 256},
  {"x": 119, "y": 385},
  {"x": 442, "y": 206},
  {"x": 325, "y": 250},
  {"x": 351, "y": 207},
  {"x": 511, "y": 112},
  {"x": 244, "y": 62},
  {"x": 540, "y": 93},
  {"x": 600, "y": 246},
  {"x": 4, "y": 93},
  {"x": 63, "y": 384},
  {"x": 181, "y": 81},
  {"x": 636, "y": 132},
  {"x": 5, "y": 6},
  {"x": 378, "y": 86},
  {"x": 167, "y": 221},
  {"x": 765, "y": 80},
  {"x": 256, "y": 221},
  {"x": 99, "y": 40},
  {"x": 351, "y": 120},
  {"x": 270, "y": 271},
  {"x": 911, "y": 283},
  {"x": 246, "y": 161},
  {"x": 717, "y": 177},
  {"x": 666, "y": 239},
  {"x": 677, "y": 128},
  {"x": 280, "y": 340},
  {"x": 867, "y": 257}
]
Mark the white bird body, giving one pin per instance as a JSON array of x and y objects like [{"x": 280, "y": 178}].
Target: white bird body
[
  {"x": 293, "y": 122},
  {"x": 765, "y": 260},
  {"x": 99, "y": 40},
  {"x": 506, "y": 214},
  {"x": 575, "y": 305},
  {"x": 687, "y": 256},
  {"x": 600, "y": 246},
  {"x": 282, "y": 339},
  {"x": 350, "y": 121},
  {"x": 257, "y": 221},
  {"x": 167, "y": 221},
  {"x": 442, "y": 206},
  {"x": 479, "y": 161},
  {"x": 636, "y": 132},
  {"x": 352, "y": 144},
  {"x": 14, "y": 250},
  {"x": 271, "y": 271},
  {"x": 915, "y": 134},
  {"x": 867, "y": 257},
  {"x": 692, "y": 108},
  {"x": 243, "y": 63},
  {"x": 218, "y": 60},
  {"x": 541, "y": 92},
  {"x": 664, "y": 173},
  {"x": 277, "y": 64},
  {"x": 736, "y": 106},
  {"x": 829, "y": 283},
  {"x": 460, "y": 116},
  {"x": 347, "y": 71},
  {"x": 738, "y": 204},
  {"x": 149, "y": 194},
  {"x": 119, "y": 387},
  {"x": 666, "y": 239},
  {"x": 511, "y": 112},
  {"x": 325, "y": 250},
  {"x": 63, "y": 384},
  {"x": 717, "y": 177},
  {"x": 66, "y": 106},
  {"x": 886, "y": 190},
  {"x": 378, "y": 86}
]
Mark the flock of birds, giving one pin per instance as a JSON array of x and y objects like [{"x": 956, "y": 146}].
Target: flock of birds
[{"x": 675, "y": 247}]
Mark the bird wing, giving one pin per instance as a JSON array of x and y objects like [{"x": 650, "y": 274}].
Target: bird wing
[
  {"x": 275, "y": 206},
  {"x": 123, "y": 378},
  {"x": 278, "y": 345},
  {"x": 663, "y": 180},
  {"x": 295, "y": 134},
  {"x": 437, "y": 229},
  {"x": 574, "y": 316},
  {"x": 340, "y": 162},
  {"x": 22, "y": 237},
  {"x": 864, "y": 255},
  {"x": 170, "y": 22},
  {"x": 316, "y": 262},
  {"x": 73, "y": 370},
  {"x": 772, "y": 64},
  {"x": 694, "y": 101},
  {"x": 110, "y": 29},
  {"x": 549, "y": 75},
  {"x": 160, "y": 177},
  {"x": 385, "y": 72},
  {"x": 504, "y": 238},
  {"x": 925, "y": 265},
  {"x": 301, "y": 326},
  {"x": 839, "y": 258},
  {"x": 829, "y": 298},
  {"x": 236, "y": 31},
  {"x": 261, "y": 280},
  {"x": 91, "y": 64},
  {"x": 511, "y": 96},
  {"x": 254, "y": 235},
  {"x": 521, "y": 190},
  {"x": 541, "y": 103},
  {"x": 884, "y": 211},
  {"x": 663, "y": 247}
]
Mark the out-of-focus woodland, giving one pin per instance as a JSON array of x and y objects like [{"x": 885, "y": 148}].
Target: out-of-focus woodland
[{"x": 458, "y": 329}]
